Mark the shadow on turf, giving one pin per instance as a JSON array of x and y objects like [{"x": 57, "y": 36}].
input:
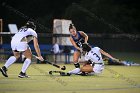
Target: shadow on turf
[
  {"x": 44, "y": 73},
  {"x": 122, "y": 77}
]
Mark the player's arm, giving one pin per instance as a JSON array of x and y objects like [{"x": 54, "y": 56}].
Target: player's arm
[
  {"x": 84, "y": 35},
  {"x": 74, "y": 44},
  {"x": 108, "y": 55},
  {"x": 37, "y": 49}
]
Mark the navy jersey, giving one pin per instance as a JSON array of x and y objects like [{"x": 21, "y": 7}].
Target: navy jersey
[{"x": 80, "y": 40}]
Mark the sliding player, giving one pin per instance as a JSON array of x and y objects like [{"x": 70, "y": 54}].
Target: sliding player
[
  {"x": 94, "y": 58},
  {"x": 77, "y": 38},
  {"x": 19, "y": 44}
]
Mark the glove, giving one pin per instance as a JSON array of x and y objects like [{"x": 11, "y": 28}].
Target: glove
[{"x": 81, "y": 50}]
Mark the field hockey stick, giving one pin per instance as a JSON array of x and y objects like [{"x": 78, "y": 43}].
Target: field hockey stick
[
  {"x": 59, "y": 72},
  {"x": 55, "y": 65},
  {"x": 66, "y": 74}
]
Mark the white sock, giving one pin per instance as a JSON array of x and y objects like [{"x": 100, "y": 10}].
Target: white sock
[
  {"x": 10, "y": 61},
  {"x": 26, "y": 65},
  {"x": 22, "y": 57},
  {"x": 75, "y": 71}
]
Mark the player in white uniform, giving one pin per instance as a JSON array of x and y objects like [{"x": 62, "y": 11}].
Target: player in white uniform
[
  {"x": 94, "y": 60},
  {"x": 19, "y": 44}
]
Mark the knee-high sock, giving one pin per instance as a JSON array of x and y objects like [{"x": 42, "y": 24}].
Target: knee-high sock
[
  {"x": 26, "y": 64},
  {"x": 10, "y": 61},
  {"x": 75, "y": 71},
  {"x": 23, "y": 58}
]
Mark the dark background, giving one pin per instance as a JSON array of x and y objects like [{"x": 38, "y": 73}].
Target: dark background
[
  {"x": 90, "y": 16},
  {"x": 87, "y": 15}
]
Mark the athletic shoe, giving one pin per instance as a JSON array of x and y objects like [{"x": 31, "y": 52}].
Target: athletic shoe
[
  {"x": 23, "y": 75},
  {"x": 3, "y": 70}
]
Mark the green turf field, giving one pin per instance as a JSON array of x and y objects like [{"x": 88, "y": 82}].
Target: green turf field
[{"x": 114, "y": 79}]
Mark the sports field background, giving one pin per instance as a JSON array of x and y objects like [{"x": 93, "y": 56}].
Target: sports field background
[
  {"x": 123, "y": 79},
  {"x": 112, "y": 25}
]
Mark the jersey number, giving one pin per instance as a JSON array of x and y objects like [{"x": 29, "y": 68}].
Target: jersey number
[
  {"x": 23, "y": 29},
  {"x": 79, "y": 44},
  {"x": 96, "y": 56}
]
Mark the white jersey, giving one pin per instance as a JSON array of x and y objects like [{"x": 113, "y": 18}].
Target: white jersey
[
  {"x": 94, "y": 55},
  {"x": 24, "y": 33}
]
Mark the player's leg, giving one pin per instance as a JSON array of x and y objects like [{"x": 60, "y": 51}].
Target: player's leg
[
  {"x": 87, "y": 68},
  {"x": 9, "y": 62},
  {"x": 82, "y": 71},
  {"x": 76, "y": 56},
  {"x": 23, "y": 58},
  {"x": 74, "y": 71},
  {"x": 26, "y": 64}
]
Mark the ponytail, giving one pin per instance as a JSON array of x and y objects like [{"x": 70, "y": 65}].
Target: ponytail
[{"x": 71, "y": 26}]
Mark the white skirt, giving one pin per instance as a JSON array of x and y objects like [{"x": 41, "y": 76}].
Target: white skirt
[
  {"x": 19, "y": 46},
  {"x": 98, "y": 68}
]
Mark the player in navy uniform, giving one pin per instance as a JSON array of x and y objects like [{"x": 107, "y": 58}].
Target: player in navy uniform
[
  {"x": 77, "y": 38},
  {"x": 93, "y": 62},
  {"x": 19, "y": 44}
]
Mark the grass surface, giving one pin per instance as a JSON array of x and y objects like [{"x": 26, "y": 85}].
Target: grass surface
[{"x": 114, "y": 79}]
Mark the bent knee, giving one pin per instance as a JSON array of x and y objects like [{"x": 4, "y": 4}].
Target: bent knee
[{"x": 87, "y": 68}]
